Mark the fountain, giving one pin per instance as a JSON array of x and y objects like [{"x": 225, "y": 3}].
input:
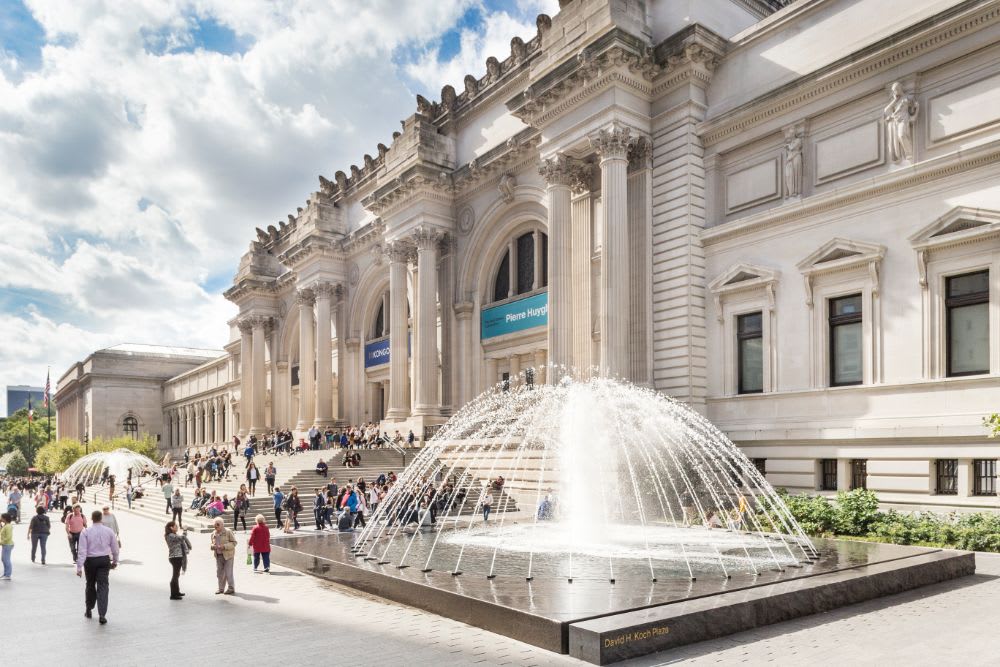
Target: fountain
[
  {"x": 622, "y": 523},
  {"x": 88, "y": 469},
  {"x": 602, "y": 480}
]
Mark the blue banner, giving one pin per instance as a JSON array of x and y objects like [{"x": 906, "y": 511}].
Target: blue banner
[
  {"x": 377, "y": 352},
  {"x": 514, "y": 316}
]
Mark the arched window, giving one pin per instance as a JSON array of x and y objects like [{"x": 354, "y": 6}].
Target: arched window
[
  {"x": 130, "y": 425},
  {"x": 507, "y": 283}
]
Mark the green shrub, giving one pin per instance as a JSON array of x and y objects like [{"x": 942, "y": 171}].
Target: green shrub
[
  {"x": 857, "y": 510},
  {"x": 14, "y": 463}
]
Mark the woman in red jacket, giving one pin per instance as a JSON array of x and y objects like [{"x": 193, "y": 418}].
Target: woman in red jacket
[{"x": 260, "y": 542}]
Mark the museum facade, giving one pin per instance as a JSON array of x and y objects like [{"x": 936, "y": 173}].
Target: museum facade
[{"x": 784, "y": 214}]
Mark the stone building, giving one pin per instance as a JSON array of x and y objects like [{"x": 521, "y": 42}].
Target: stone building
[
  {"x": 118, "y": 391},
  {"x": 784, "y": 214}
]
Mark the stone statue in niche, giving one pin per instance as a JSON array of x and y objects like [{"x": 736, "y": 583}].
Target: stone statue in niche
[
  {"x": 900, "y": 115},
  {"x": 793, "y": 164}
]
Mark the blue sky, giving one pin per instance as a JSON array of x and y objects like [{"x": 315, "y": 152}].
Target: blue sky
[{"x": 143, "y": 141}]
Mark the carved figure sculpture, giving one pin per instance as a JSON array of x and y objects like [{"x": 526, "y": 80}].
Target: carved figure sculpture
[
  {"x": 793, "y": 164},
  {"x": 900, "y": 115}
]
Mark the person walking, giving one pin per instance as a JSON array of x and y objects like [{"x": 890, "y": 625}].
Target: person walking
[
  {"x": 177, "y": 506},
  {"x": 294, "y": 506},
  {"x": 252, "y": 476},
  {"x": 487, "y": 505},
  {"x": 178, "y": 546},
  {"x": 6, "y": 545},
  {"x": 38, "y": 532},
  {"x": 168, "y": 492},
  {"x": 279, "y": 498},
  {"x": 270, "y": 474},
  {"x": 260, "y": 542},
  {"x": 223, "y": 542},
  {"x": 98, "y": 555},
  {"x": 75, "y": 525},
  {"x": 111, "y": 521},
  {"x": 241, "y": 505}
]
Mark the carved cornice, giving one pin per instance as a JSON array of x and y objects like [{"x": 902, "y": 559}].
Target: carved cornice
[
  {"x": 497, "y": 160},
  {"x": 251, "y": 286},
  {"x": 364, "y": 237},
  {"x": 418, "y": 181},
  {"x": 887, "y": 54},
  {"x": 316, "y": 244}
]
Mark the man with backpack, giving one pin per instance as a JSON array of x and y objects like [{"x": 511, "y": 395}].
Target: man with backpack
[{"x": 38, "y": 532}]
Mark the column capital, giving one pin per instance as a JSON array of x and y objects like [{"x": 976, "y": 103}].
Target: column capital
[
  {"x": 427, "y": 238},
  {"x": 245, "y": 324},
  {"x": 259, "y": 321},
  {"x": 325, "y": 290},
  {"x": 398, "y": 252},
  {"x": 613, "y": 142},
  {"x": 305, "y": 297},
  {"x": 561, "y": 170},
  {"x": 640, "y": 155}
]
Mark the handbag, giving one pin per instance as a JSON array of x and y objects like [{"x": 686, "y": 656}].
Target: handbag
[{"x": 249, "y": 555}]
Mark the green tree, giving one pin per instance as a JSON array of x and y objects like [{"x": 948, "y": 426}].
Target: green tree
[
  {"x": 14, "y": 433},
  {"x": 56, "y": 456},
  {"x": 145, "y": 445},
  {"x": 14, "y": 463},
  {"x": 993, "y": 424}
]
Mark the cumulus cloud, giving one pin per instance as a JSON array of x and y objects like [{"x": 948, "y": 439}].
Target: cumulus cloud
[{"x": 143, "y": 141}]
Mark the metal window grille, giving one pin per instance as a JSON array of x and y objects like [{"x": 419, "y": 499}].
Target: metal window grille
[
  {"x": 760, "y": 465},
  {"x": 859, "y": 474},
  {"x": 984, "y": 477},
  {"x": 947, "y": 476},
  {"x": 829, "y": 474}
]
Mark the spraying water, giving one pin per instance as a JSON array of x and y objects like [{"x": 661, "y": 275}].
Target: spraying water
[
  {"x": 119, "y": 462},
  {"x": 588, "y": 479}
]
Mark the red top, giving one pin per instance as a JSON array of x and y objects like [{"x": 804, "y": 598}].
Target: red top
[{"x": 260, "y": 539}]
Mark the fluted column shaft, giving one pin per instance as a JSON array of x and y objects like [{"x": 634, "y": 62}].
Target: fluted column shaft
[
  {"x": 258, "y": 384},
  {"x": 399, "y": 392},
  {"x": 189, "y": 425},
  {"x": 613, "y": 145},
  {"x": 540, "y": 367},
  {"x": 426, "y": 360},
  {"x": 307, "y": 388},
  {"x": 246, "y": 345},
  {"x": 491, "y": 372},
  {"x": 560, "y": 173},
  {"x": 324, "y": 358}
]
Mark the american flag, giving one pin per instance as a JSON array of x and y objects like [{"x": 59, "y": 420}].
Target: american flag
[{"x": 47, "y": 387}]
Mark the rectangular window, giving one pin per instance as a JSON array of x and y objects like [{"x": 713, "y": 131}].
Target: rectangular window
[
  {"x": 295, "y": 375},
  {"x": 529, "y": 377},
  {"x": 750, "y": 350},
  {"x": 845, "y": 341},
  {"x": 947, "y": 476},
  {"x": 505, "y": 380},
  {"x": 828, "y": 470},
  {"x": 985, "y": 477},
  {"x": 968, "y": 304},
  {"x": 859, "y": 473},
  {"x": 760, "y": 465}
]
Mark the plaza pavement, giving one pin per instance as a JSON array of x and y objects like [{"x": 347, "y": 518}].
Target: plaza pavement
[{"x": 290, "y": 618}]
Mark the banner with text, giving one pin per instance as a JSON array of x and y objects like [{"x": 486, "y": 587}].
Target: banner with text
[
  {"x": 515, "y": 316},
  {"x": 377, "y": 352}
]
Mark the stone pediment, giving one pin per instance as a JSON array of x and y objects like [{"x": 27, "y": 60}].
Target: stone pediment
[
  {"x": 959, "y": 225},
  {"x": 743, "y": 276},
  {"x": 838, "y": 253}
]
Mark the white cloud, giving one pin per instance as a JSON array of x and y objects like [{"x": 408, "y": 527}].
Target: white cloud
[{"x": 213, "y": 145}]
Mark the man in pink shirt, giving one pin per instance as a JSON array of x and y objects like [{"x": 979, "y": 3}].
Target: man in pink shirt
[{"x": 98, "y": 555}]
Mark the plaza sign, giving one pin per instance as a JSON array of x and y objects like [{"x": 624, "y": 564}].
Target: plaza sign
[
  {"x": 377, "y": 352},
  {"x": 515, "y": 316}
]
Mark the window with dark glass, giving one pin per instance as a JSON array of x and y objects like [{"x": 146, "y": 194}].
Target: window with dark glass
[
  {"x": 859, "y": 474},
  {"x": 545, "y": 261},
  {"x": 295, "y": 375},
  {"x": 380, "y": 328},
  {"x": 525, "y": 262},
  {"x": 529, "y": 377},
  {"x": 750, "y": 353},
  {"x": 505, "y": 382},
  {"x": 947, "y": 476},
  {"x": 760, "y": 465},
  {"x": 130, "y": 425},
  {"x": 501, "y": 286},
  {"x": 828, "y": 474},
  {"x": 967, "y": 301},
  {"x": 845, "y": 341},
  {"x": 984, "y": 475}
]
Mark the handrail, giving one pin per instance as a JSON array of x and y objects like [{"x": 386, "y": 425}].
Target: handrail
[{"x": 396, "y": 448}]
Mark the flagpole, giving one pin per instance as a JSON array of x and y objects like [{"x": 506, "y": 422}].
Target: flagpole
[{"x": 48, "y": 404}]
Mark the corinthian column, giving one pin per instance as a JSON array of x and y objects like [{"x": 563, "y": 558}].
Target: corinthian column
[
  {"x": 399, "y": 392},
  {"x": 258, "y": 386},
  {"x": 324, "y": 360},
  {"x": 612, "y": 145},
  {"x": 246, "y": 344},
  {"x": 189, "y": 425},
  {"x": 426, "y": 359},
  {"x": 559, "y": 173},
  {"x": 305, "y": 300}
]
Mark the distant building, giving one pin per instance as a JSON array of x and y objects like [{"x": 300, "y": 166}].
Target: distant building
[
  {"x": 119, "y": 390},
  {"x": 17, "y": 397}
]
